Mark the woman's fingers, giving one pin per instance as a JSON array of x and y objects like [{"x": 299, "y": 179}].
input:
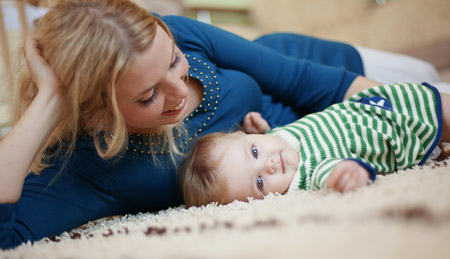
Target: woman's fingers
[
  {"x": 259, "y": 124},
  {"x": 255, "y": 124},
  {"x": 41, "y": 73}
]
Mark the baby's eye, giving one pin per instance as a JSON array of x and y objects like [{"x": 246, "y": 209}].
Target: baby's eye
[
  {"x": 254, "y": 151},
  {"x": 259, "y": 182}
]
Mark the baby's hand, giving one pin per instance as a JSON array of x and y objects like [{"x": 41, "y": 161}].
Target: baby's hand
[
  {"x": 255, "y": 124},
  {"x": 347, "y": 176}
]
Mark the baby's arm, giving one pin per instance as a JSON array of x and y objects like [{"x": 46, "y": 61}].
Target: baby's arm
[
  {"x": 346, "y": 176},
  {"x": 254, "y": 123}
]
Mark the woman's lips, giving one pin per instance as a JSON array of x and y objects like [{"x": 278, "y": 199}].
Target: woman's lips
[{"x": 177, "y": 109}]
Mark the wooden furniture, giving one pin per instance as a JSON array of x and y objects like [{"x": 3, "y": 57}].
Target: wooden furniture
[
  {"x": 209, "y": 10},
  {"x": 24, "y": 29},
  {"x": 6, "y": 55}
]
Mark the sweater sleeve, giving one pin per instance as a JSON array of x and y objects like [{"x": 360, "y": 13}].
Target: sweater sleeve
[
  {"x": 7, "y": 238},
  {"x": 300, "y": 83}
]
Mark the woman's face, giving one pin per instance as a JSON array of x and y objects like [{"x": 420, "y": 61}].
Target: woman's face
[{"x": 153, "y": 91}]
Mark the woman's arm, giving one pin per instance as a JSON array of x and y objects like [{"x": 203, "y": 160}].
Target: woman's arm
[
  {"x": 295, "y": 78},
  {"x": 20, "y": 146}
]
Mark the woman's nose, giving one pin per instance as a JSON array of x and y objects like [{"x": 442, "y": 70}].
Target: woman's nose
[{"x": 176, "y": 88}]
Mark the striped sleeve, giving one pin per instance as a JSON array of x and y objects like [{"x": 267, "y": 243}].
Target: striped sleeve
[{"x": 387, "y": 128}]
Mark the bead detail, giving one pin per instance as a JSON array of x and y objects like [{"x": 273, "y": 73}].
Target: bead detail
[{"x": 205, "y": 73}]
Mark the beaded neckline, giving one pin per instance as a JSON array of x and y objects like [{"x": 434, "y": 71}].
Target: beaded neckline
[{"x": 207, "y": 76}]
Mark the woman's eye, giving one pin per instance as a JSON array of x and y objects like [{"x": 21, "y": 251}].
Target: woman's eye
[
  {"x": 176, "y": 61},
  {"x": 259, "y": 182},
  {"x": 149, "y": 100},
  {"x": 254, "y": 151}
]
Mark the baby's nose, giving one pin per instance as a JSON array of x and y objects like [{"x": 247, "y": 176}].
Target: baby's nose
[{"x": 270, "y": 166}]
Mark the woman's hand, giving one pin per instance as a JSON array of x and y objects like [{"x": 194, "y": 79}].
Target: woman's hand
[
  {"x": 347, "y": 176},
  {"x": 41, "y": 73},
  {"x": 20, "y": 146},
  {"x": 255, "y": 124}
]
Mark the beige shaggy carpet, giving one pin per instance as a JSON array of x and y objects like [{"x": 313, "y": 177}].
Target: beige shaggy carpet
[{"x": 402, "y": 215}]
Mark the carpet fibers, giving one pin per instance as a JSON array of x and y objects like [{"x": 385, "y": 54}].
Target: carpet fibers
[{"x": 402, "y": 215}]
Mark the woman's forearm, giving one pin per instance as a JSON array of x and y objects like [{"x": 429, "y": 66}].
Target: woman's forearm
[
  {"x": 359, "y": 84},
  {"x": 21, "y": 145}
]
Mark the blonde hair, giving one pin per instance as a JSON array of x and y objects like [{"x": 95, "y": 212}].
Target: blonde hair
[
  {"x": 89, "y": 44},
  {"x": 200, "y": 179}
]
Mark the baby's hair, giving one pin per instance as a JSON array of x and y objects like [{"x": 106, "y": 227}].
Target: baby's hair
[{"x": 200, "y": 180}]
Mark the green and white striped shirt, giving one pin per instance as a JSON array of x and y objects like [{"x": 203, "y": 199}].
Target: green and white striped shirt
[{"x": 384, "y": 128}]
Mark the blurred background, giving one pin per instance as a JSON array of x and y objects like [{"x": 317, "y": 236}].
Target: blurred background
[{"x": 415, "y": 27}]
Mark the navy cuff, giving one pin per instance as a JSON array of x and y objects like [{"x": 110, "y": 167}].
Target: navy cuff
[{"x": 370, "y": 170}]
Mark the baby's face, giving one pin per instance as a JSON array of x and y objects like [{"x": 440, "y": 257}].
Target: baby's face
[{"x": 255, "y": 165}]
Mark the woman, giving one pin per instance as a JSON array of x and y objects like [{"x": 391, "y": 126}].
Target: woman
[{"x": 109, "y": 98}]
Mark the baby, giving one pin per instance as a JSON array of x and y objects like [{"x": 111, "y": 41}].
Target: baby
[{"x": 380, "y": 130}]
